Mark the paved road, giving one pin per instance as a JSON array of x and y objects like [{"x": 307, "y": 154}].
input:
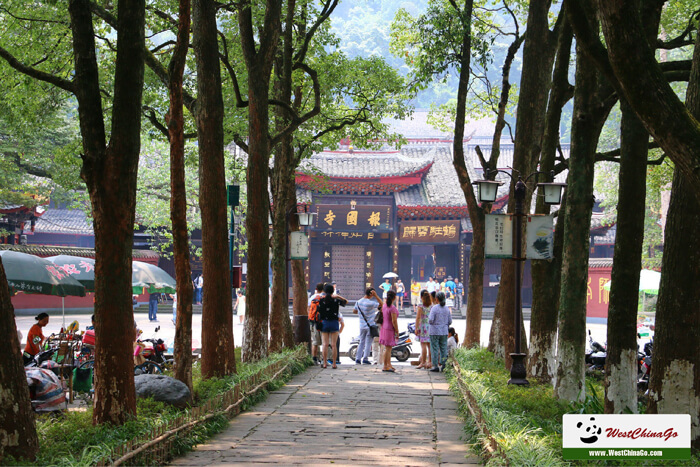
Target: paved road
[
  {"x": 167, "y": 329},
  {"x": 355, "y": 415}
]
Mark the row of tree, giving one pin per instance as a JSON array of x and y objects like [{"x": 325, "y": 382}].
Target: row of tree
[
  {"x": 625, "y": 71},
  {"x": 268, "y": 76},
  {"x": 124, "y": 63}
]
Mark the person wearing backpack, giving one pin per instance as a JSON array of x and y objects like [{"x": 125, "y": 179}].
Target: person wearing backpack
[
  {"x": 313, "y": 319},
  {"x": 329, "y": 309}
]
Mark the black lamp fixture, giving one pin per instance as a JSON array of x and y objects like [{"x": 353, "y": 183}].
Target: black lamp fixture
[{"x": 487, "y": 191}]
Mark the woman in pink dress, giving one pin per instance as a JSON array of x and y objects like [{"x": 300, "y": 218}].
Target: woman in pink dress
[{"x": 390, "y": 329}]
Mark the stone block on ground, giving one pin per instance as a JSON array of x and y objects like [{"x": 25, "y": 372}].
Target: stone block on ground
[{"x": 163, "y": 389}]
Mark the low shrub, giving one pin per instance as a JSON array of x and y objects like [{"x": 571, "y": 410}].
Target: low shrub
[
  {"x": 70, "y": 439},
  {"x": 526, "y": 422}
]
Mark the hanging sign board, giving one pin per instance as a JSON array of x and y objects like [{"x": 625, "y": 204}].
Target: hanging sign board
[
  {"x": 429, "y": 232},
  {"x": 499, "y": 236},
  {"x": 540, "y": 237},
  {"x": 352, "y": 217},
  {"x": 298, "y": 245}
]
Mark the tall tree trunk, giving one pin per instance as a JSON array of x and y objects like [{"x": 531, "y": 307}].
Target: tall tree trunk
[
  {"x": 475, "y": 283},
  {"x": 546, "y": 275},
  {"x": 281, "y": 335},
  {"x": 110, "y": 174},
  {"x": 283, "y": 190},
  {"x": 217, "y": 315},
  {"x": 675, "y": 374},
  {"x": 641, "y": 81},
  {"x": 256, "y": 325},
  {"x": 476, "y": 259},
  {"x": 475, "y": 286},
  {"x": 259, "y": 62},
  {"x": 621, "y": 361},
  {"x": 589, "y": 116},
  {"x": 538, "y": 57},
  {"x": 178, "y": 201},
  {"x": 17, "y": 431}
]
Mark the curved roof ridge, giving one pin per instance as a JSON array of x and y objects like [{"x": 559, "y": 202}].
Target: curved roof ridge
[{"x": 368, "y": 165}]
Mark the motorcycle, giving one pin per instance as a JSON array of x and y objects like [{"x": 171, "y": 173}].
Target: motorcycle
[
  {"x": 401, "y": 351},
  {"x": 41, "y": 357},
  {"x": 644, "y": 360},
  {"x": 154, "y": 350},
  {"x": 595, "y": 357}
]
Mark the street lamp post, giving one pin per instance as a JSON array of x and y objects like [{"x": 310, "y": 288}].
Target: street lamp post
[
  {"x": 301, "y": 323},
  {"x": 487, "y": 190}
]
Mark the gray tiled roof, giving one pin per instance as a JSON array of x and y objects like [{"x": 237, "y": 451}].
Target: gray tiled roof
[
  {"x": 467, "y": 225},
  {"x": 440, "y": 183},
  {"x": 304, "y": 195},
  {"x": 52, "y": 250},
  {"x": 361, "y": 164},
  {"x": 67, "y": 221},
  {"x": 608, "y": 238},
  {"x": 600, "y": 262},
  {"x": 413, "y": 196}
]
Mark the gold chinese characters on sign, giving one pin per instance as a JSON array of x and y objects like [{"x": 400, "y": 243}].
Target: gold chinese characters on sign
[
  {"x": 327, "y": 264},
  {"x": 349, "y": 235},
  {"x": 429, "y": 232},
  {"x": 369, "y": 267},
  {"x": 352, "y": 217}
]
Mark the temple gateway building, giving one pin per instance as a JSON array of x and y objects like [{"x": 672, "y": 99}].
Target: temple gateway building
[{"x": 401, "y": 211}]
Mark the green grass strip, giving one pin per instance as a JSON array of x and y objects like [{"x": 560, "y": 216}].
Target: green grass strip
[
  {"x": 70, "y": 439},
  {"x": 525, "y": 422}
]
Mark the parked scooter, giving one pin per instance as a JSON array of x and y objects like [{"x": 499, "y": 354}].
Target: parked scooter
[
  {"x": 595, "y": 357},
  {"x": 41, "y": 357},
  {"x": 155, "y": 349},
  {"x": 401, "y": 351},
  {"x": 644, "y": 366}
]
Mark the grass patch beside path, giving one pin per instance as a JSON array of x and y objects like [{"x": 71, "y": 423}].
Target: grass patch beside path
[
  {"x": 525, "y": 422},
  {"x": 72, "y": 440}
]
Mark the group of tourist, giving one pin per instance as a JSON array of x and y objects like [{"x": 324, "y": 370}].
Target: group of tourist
[
  {"x": 379, "y": 328},
  {"x": 437, "y": 338},
  {"x": 452, "y": 288}
]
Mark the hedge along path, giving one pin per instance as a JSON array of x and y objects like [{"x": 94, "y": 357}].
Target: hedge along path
[
  {"x": 159, "y": 449},
  {"x": 491, "y": 446},
  {"x": 353, "y": 415}
]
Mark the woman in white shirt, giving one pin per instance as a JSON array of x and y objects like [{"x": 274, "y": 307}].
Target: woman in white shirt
[{"x": 240, "y": 307}]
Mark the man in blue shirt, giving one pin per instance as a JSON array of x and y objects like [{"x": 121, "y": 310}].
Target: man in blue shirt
[
  {"x": 153, "y": 306},
  {"x": 367, "y": 307},
  {"x": 459, "y": 293}
]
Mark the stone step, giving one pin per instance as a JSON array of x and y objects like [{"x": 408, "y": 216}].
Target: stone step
[{"x": 406, "y": 312}]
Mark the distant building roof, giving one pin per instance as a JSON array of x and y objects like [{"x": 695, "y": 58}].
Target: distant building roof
[
  {"x": 607, "y": 237},
  {"x": 600, "y": 262},
  {"x": 364, "y": 164},
  {"x": 51, "y": 250},
  {"x": 64, "y": 221}
]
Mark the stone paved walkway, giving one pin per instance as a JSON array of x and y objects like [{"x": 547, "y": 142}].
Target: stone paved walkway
[{"x": 355, "y": 415}]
